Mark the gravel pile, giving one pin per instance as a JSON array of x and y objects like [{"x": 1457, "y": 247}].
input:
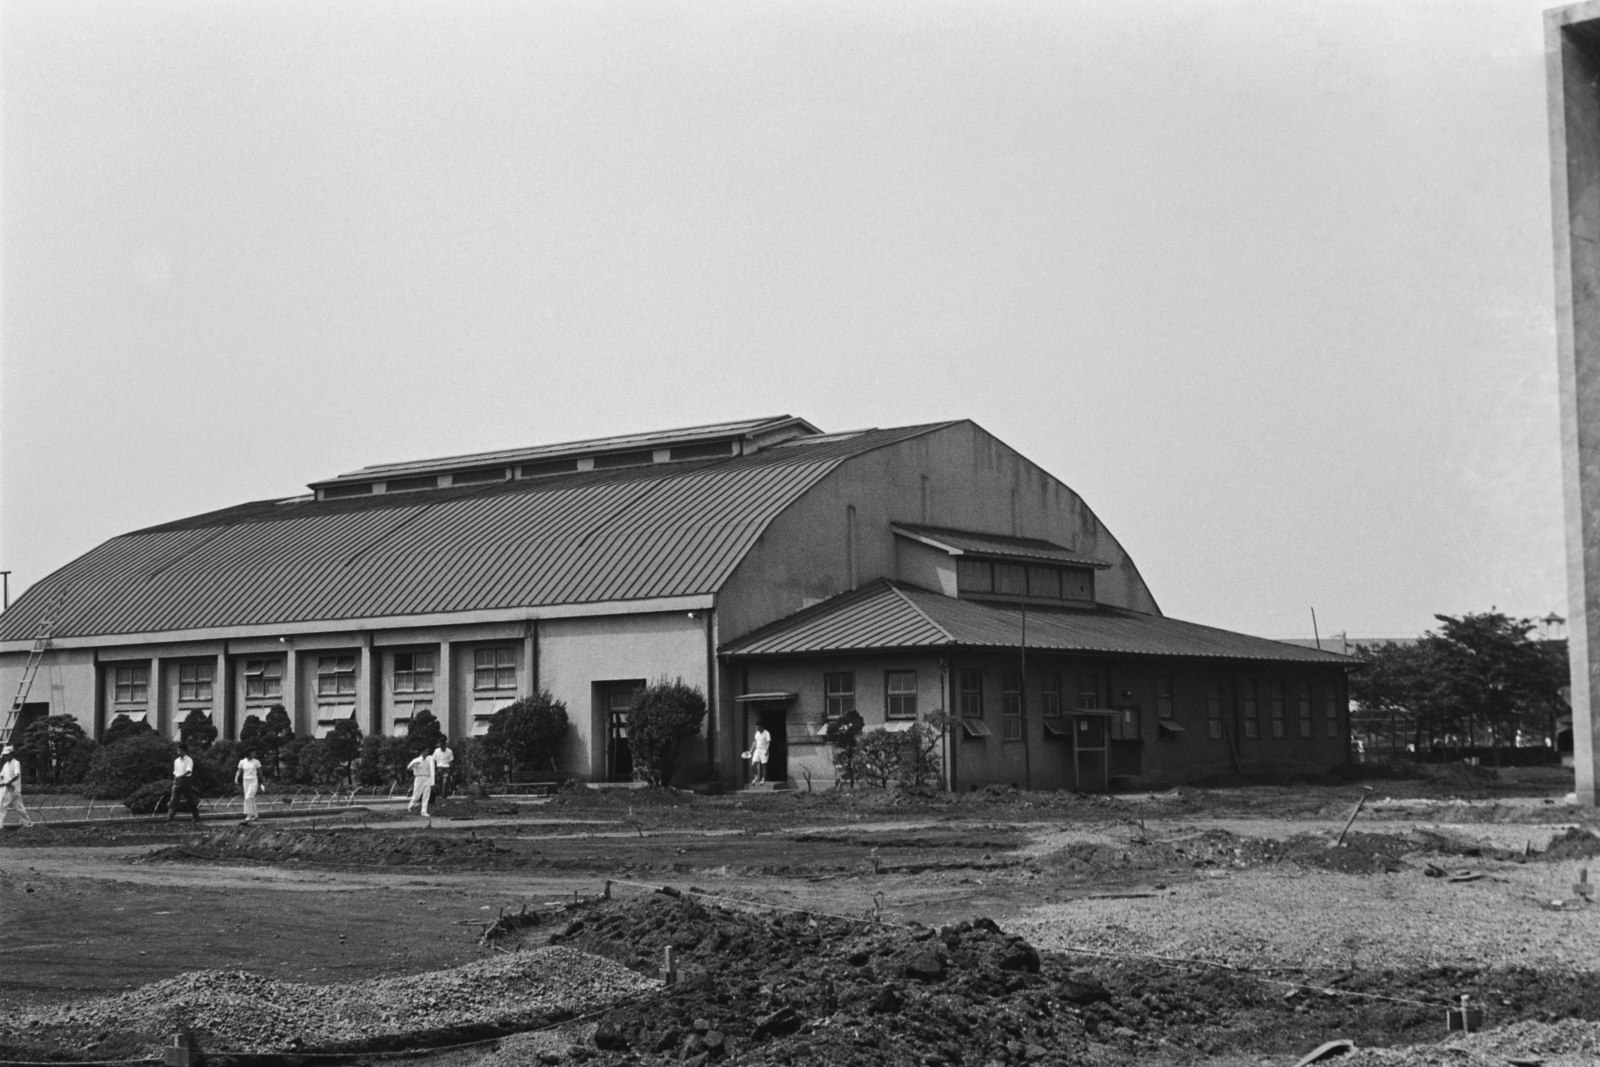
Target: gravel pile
[
  {"x": 1280, "y": 917},
  {"x": 1570, "y": 1043},
  {"x": 236, "y": 1011}
]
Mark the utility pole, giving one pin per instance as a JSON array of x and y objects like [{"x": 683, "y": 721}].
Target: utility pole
[{"x": 6, "y": 577}]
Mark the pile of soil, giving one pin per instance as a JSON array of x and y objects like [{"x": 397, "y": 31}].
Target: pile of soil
[
  {"x": 792, "y": 988},
  {"x": 265, "y": 843},
  {"x": 1573, "y": 843}
]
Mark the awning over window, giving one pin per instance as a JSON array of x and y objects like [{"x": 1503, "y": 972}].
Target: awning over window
[
  {"x": 976, "y": 728},
  {"x": 766, "y": 698},
  {"x": 1169, "y": 727}
]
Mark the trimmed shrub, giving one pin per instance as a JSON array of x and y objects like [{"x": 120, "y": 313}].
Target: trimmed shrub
[
  {"x": 662, "y": 718},
  {"x": 121, "y": 727},
  {"x": 117, "y": 770},
  {"x": 844, "y": 736},
  {"x": 528, "y": 734}
]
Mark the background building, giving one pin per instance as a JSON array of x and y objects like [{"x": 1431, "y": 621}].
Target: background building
[{"x": 789, "y": 573}]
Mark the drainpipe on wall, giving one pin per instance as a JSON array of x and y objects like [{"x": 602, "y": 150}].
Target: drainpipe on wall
[
  {"x": 713, "y": 708},
  {"x": 946, "y": 671}
]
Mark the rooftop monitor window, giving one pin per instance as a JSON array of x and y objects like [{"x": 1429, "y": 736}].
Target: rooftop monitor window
[
  {"x": 623, "y": 459},
  {"x": 709, "y": 450},
  {"x": 485, "y": 474},
  {"x": 1045, "y": 582},
  {"x": 549, "y": 466},
  {"x": 974, "y": 575},
  {"x": 406, "y": 485},
  {"x": 1011, "y": 579},
  {"x": 334, "y": 492}
]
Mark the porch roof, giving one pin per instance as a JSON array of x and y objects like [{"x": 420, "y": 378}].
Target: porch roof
[{"x": 894, "y": 615}]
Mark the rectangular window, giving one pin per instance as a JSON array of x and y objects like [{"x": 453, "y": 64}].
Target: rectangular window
[
  {"x": 1305, "y": 709},
  {"x": 494, "y": 669},
  {"x": 900, "y": 694},
  {"x": 1248, "y": 711},
  {"x": 1077, "y": 583},
  {"x": 1164, "y": 709},
  {"x": 1044, "y": 582},
  {"x": 132, "y": 684},
  {"x": 974, "y": 576},
  {"x": 1011, "y": 579},
  {"x": 1050, "y": 695},
  {"x": 838, "y": 693},
  {"x": 1280, "y": 727},
  {"x": 1214, "y": 710},
  {"x": 413, "y": 672},
  {"x": 972, "y": 694},
  {"x": 196, "y": 682},
  {"x": 263, "y": 678},
  {"x": 1088, "y": 691},
  {"x": 1011, "y": 706},
  {"x": 336, "y": 676},
  {"x": 1331, "y": 710}
]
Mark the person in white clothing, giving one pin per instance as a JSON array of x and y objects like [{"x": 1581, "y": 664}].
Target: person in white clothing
[
  {"x": 758, "y": 754},
  {"x": 11, "y": 787},
  {"x": 183, "y": 785},
  {"x": 421, "y": 770},
  {"x": 443, "y": 770},
  {"x": 249, "y": 777}
]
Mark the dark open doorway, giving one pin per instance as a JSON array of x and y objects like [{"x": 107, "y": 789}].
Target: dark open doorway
[
  {"x": 614, "y": 699},
  {"x": 775, "y": 718}
]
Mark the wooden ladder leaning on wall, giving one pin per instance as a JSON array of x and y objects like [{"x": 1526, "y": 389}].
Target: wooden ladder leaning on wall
[{"x": 41, "y": 641}]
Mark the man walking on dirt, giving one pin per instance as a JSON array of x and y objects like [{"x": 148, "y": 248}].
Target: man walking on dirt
[
  {"x": 183, "y": 785},
  {"x": 11, "y": 787},
  {"x": 421, "y": 769},
  {"x": 443, "y": 770}
]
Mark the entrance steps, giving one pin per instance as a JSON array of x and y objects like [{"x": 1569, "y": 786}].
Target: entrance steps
[{"x": 766, "y": 787}]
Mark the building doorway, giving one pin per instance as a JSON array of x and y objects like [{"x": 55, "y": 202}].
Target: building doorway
[
  {"x": 615, "y": 700},
  {"x": 775, "y": 718}
]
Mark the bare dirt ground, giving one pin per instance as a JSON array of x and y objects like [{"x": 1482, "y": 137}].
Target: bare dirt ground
[{"x": 1198, "y": 926}]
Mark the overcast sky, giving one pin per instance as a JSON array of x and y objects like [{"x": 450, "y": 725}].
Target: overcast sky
[{"x": 1269, "y": 283}]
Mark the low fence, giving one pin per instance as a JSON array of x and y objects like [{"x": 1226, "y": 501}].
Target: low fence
[{"x": 48, "y": 808}]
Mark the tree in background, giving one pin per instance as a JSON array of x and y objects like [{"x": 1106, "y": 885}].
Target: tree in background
[
  {"x": 844, "y": 737},
  {"x": 276, "y": 732},
  {"x": 344, "y": 747},
  {"x": 527, "y": 734},
  {"x": 55, "y": 750},
  {"x": 423, "y": 733},
  {"x": 369, "y": 766},
  {"x": 1478, "y": 678},
  {"x": 197, "y": 730},
  {"x": 121, "y": 727},
  {"x": 663, "y": 716}
]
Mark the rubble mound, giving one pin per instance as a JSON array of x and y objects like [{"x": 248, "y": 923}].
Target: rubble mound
[
  {"x": 1573, "y": 843},
  {"x": 795, "y": 988},
  {"x": 264, "y": 843}
]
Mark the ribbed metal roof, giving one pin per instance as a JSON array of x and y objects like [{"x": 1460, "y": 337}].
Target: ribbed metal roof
[
  {"x": 893, "y": 615},
  {"x": 625, "y": 534},
  {"x": 972, "y": 543}
]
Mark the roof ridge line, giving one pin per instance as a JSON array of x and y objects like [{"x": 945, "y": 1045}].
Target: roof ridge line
[{"x": 914, "y": 606}]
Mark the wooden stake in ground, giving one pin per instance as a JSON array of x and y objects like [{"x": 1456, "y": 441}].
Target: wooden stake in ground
[{"x": 1366, "y": 791}]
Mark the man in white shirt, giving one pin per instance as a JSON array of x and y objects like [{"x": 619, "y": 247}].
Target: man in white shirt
[
  {"x": 443, "y": 770},
  {"x": 11, "y": 787},
  {"x": 183, "y": 785},
  {"x": 421, "y": 770}
]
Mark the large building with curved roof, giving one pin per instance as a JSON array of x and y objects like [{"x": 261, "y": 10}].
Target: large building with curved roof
[{"x": 789, "y": 573}]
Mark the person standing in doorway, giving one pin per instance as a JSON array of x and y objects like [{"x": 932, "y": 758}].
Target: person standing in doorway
[
  {"x": 183, "y": 785},
  {"x": 443, "y": 770},
  {"x": 421, "y": 769},
  {"x": 249, "y": 777},
  {"x": 11, "y": 787},
  {"x": 761, "y": 745}
]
